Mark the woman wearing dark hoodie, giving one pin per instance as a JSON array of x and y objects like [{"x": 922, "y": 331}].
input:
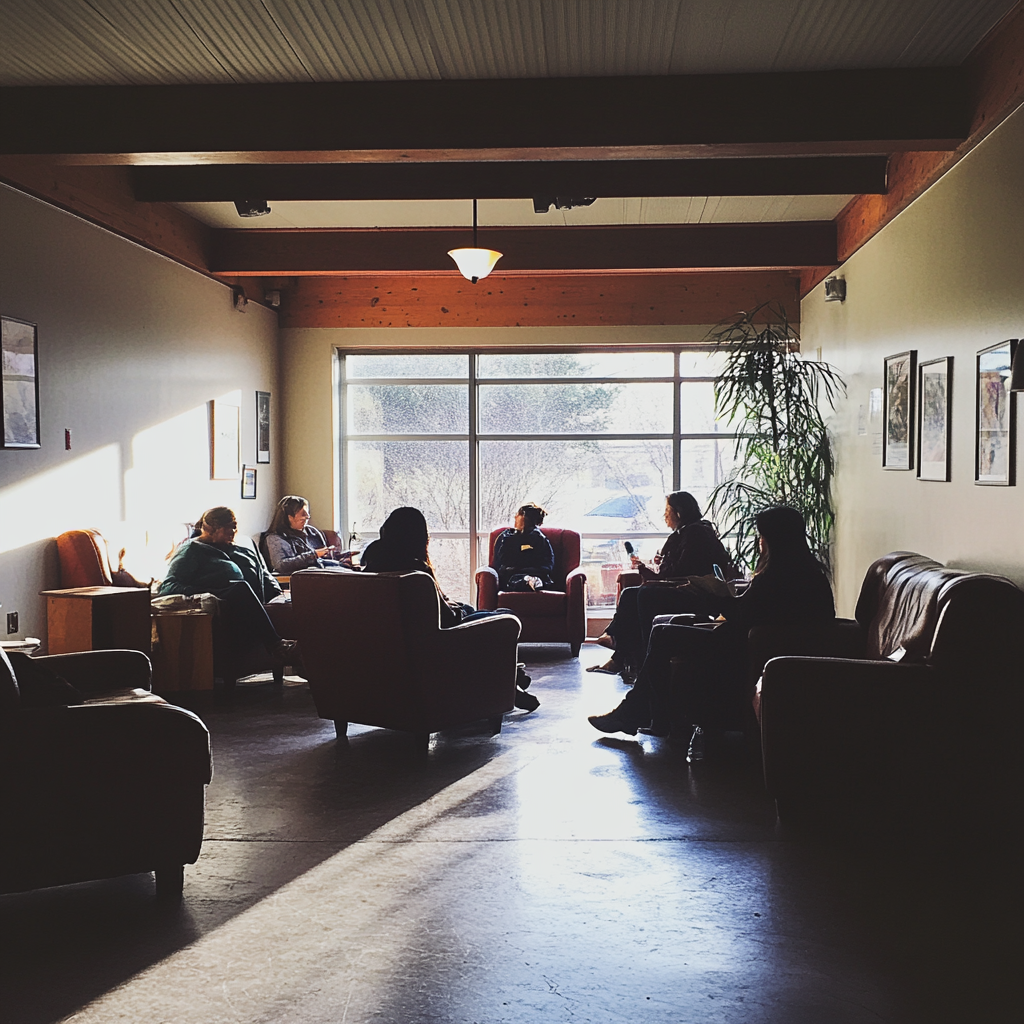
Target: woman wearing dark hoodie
[{"x": 692, "y": 549}]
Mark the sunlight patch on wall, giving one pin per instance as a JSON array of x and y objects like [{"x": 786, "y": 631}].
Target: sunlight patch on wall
[{"x": 82, "y": 493}]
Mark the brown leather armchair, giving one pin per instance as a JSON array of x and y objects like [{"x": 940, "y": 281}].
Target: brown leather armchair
[
  {"x": 924, "y": 719},
  {"x": 113, "y": 786},
  {"x": 374, "y": 653},
  {"x": 85, "y": 562},
  {"x": 554, "y": 615}
]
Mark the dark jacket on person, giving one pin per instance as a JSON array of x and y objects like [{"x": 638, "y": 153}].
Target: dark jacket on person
[
  {"x": 783, "y": 596},
  {"x": 692, "y": 550},
  {"x": 380, "y": 557},
  {"x": 523, "y": 554},
  {"x": 201, "y": 568},
  {"x": 291, "y": 550}
]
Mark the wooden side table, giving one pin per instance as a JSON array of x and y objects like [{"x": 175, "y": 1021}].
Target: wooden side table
[
  {"x": 97, "y": 618},
  {"x": 182, "y": 651}
]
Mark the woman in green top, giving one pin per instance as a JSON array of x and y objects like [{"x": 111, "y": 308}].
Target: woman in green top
[{"x": 211, "y": 563}]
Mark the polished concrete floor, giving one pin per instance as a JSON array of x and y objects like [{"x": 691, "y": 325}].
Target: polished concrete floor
[{"x": 547, "y": 874}]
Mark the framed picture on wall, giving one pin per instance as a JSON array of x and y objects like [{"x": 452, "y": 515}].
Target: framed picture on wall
[
  {"x": 19, "y": 393},
  {"x": 248, "y": 481},
  {"x": 262, "y": 427},
  {"x": 934, "y": 419},
  {"x": 994, "y": 453},
  {"x": 224, "y": 452},
  {"x": 898, "y": 421}
]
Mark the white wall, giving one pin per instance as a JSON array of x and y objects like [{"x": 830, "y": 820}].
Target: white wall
[
  {"x": 946, "y": 277},
  {"x": 132, "y": 347},
  {"x": 307, "y": 362}
]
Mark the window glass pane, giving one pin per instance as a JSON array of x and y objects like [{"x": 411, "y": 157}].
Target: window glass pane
[
  {"x": 701, "y": 364},
  {"x": 575, "y": 408},
  {"x": 697, "y": 409},
  {"x": 704, "y": 465},
  {"x": 450, "y": 558},
  {"x": 587, "y": 486},
  {"x": 408, "y": 409},
  {"x": 578, "y": 364},
  {"x": 399, "y": 365},
  {"x": 432, "y": 476}
]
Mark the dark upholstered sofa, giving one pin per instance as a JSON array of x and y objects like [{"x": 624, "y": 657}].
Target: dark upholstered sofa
[
  {"x": 374, "y": 653},
  {"x": 922, "y": 721},
  {"x": 111, "y": 786}
]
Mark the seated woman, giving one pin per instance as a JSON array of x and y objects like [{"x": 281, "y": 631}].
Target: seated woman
[
  {"x": 293, "y": 544},
  {"x": 789, "y": 585},
  {"x": 523, "y": 556},
  {"x": 692, "y": 549},
  {"x": 236, "y": 575},
  {"x": 404, "y": 547}
]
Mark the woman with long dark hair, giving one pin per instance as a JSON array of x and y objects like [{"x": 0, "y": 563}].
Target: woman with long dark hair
[
  {"x": 692, "y": 549},
  {"x": 790, "y": 585},
  {"x": 404, "y": 546}
]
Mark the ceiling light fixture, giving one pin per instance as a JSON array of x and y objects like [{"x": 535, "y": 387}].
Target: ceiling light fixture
[
  {"x": 252, "y": 207},
  {"x": 474, "y": 264}
]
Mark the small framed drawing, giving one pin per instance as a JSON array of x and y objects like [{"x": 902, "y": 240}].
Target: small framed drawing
[
  {"x": 248, "y": 481},
  {"x": 994, "y": 454},
  {"x": 934, "y": 419},
  {"x": 262, "y": 427},
  {"x": 224, "y": 452},
  {"x": 898, "y": 422},
  {"x": 19, "y": 395}
]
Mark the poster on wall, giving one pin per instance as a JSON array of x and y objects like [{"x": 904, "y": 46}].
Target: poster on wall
[
  {"x": 262, "y": 426},
  {"x": 934, "y": 422},
  {"x": 19, "y": 394},
  {"x": 249, "y": 482},
  {"x": 898, "y": 426},
  {"x": 994, "y": 455},
  {"x": 224, "y": 456}
]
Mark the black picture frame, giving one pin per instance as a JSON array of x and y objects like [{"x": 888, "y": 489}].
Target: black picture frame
[
  {"x": 899, "y": 385},
  {"x": 935, "y": 419},
  {"x": 263, "y": 427},
  {"x": 19, "y": 383},
  {"x": 995, "y": 417},
  {"x": 249, "y": 483}
]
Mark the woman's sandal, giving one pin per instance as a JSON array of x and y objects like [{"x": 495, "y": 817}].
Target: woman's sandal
[{"x": 611, "y": 667}]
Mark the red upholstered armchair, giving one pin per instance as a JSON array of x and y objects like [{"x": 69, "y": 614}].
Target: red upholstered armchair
[{"x": 557, "y": 615}]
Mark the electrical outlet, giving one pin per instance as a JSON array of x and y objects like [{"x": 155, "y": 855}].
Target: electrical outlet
[{"x": 12, "y": 622}]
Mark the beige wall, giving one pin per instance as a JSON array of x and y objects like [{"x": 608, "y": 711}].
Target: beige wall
[
  {"x": 132, "y": 347},
  {"x": 307, "y": 363},
  {"x": 945, "y": 278}
]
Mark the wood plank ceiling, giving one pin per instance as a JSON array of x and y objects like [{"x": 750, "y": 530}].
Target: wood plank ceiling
[{"x": 721, "y": 139}]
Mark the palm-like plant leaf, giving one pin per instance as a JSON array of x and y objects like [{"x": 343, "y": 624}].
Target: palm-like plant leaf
[{"x": 784, "y": 456}]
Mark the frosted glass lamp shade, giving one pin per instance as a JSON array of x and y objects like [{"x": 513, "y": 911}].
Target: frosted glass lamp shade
[{"x": 474, "y": 264}]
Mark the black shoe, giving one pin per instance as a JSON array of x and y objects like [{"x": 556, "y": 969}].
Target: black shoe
[
  {"x": 659, "y": 729},
  {"x": 526, "y": 701},
  {"x": 611, "y": 723},
  {"x": 522, "y": 679},
  {"x": 611, "y": 667}
]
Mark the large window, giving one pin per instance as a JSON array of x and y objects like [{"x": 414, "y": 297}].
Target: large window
[{"x": 597, "y": 438}]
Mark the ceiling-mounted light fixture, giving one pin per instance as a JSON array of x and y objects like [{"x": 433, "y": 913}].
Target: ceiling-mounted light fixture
[
  {"x": 474, "y": 264},
  {"x": 252, "y": 207}
]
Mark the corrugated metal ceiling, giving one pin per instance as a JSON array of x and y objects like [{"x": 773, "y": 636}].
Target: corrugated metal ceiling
[
  {"x": 519, "y": 212},
  {"x": 149, "y": 42}
]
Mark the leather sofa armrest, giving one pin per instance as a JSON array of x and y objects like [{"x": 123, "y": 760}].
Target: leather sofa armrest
[
  {"x": 825, "y": 722},
  {"x": 93, "y": 672},
  {"x": 486, "y": 588},
  {"x": 92, "y": 744}
]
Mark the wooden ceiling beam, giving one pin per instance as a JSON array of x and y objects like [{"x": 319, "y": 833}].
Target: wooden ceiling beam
[
  {"x": 319, "y": 251},
  {"x": 994, "y": 73},
  {"x": 755, "y": 176},
  {"x": 585, "y": 300},
  {"x": 682, "y": 116}
]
